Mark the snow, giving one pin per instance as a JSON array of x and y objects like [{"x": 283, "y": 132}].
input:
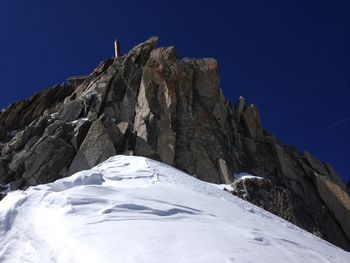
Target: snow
[
  {"x": 133, "y": 209},
  {"x": 226, "y": 187},
  {"x": 79, "y": 120},
  {"x": 54, "y": 115},
  {"x": 243, "y": 176}
]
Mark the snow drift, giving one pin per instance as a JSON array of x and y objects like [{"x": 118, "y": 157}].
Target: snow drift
[{"x": 133, "y": 209}]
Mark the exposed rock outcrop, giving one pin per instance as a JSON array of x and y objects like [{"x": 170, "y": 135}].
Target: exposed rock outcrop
[
  {"x": 22, "y": 113},
  {"x": 150, "y": 102},
  {"x": 96, "y": 148}
]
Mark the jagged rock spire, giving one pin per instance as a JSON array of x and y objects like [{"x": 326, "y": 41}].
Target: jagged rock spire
[{"x": 149, "y": 102}]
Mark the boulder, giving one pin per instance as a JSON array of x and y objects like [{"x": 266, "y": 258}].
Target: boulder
[
  {"x": 262, "y": 192},
  {"x": 80, "y": 130},
  {"x": 96, "y": 148},
  {"x": 71, "y": 110}
]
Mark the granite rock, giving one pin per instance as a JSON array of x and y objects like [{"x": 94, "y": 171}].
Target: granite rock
[{"x": 151, "y": 102}]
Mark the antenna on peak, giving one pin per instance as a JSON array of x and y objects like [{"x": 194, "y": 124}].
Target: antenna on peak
[{"x": 118, "y": 53}]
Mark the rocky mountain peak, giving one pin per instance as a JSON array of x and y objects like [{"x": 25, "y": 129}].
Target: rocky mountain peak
[{"x": 150, "y": 102}]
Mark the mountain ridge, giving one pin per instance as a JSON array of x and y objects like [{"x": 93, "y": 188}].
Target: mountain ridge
[{"x": 150, "y": 103}]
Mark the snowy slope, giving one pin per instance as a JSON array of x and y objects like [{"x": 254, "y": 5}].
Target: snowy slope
[{"x": 132, "y": 209}]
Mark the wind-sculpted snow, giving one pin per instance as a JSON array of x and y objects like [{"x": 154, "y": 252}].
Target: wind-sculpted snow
[{"x": 133, "y": 209}]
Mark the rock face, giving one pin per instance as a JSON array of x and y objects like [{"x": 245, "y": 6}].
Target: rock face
[{"x": 150, "y": 102}]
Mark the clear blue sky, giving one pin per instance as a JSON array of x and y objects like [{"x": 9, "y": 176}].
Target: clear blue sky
[{"x": 291, "y": 58}]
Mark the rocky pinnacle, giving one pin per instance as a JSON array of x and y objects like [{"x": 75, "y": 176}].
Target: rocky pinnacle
[{"x": 150, "y": 102}]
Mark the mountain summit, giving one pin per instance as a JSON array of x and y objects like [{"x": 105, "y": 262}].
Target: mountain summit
[{"x": 151, "y": 103}]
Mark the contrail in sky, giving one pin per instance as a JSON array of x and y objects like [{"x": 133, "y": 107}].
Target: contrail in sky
[{"x": 334, "y": 124}]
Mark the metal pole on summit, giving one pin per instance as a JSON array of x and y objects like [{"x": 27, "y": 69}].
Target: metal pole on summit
[{"x": 118, "y": 53}]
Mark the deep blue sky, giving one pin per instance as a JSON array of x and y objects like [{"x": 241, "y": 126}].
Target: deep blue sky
[{"x": 291, "y": 58}]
